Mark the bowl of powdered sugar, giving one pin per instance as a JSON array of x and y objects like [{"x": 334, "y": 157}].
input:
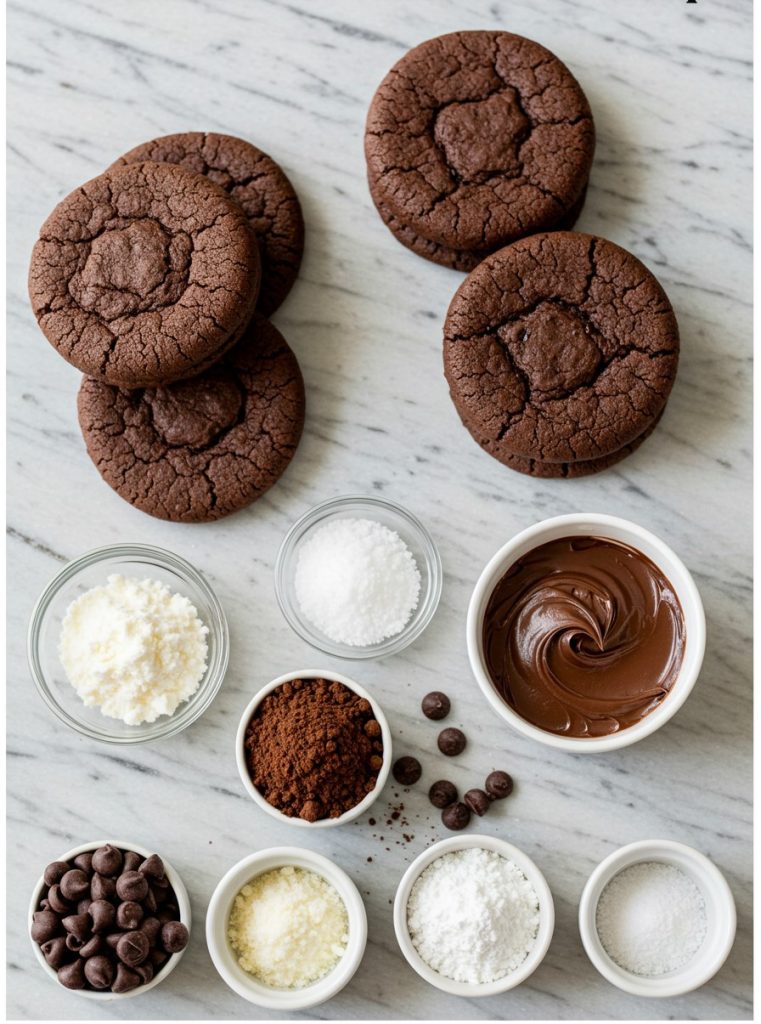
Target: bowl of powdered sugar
[
  {"x": 358, "y": 577},
  {"x": 474, "y": 916},
  {"x": 128, "y": 643},
  {"x": 657, "y": 918}
]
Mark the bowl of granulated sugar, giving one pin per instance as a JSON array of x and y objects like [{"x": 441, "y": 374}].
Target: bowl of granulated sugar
[
  {"x": 474, "y": 916},
  {"x": 358, "y": 577}
]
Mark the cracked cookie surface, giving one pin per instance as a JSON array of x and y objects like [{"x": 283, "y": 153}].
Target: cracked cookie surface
[
  {"x": 560, "y": 350},
  {"x": 144, "y": 274},
  {"x": 474, "y": 139},
  {"x": 197, "y": 450},
  {"x": 258, "y": 184}
]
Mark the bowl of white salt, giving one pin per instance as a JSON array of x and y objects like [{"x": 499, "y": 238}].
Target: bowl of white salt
[
  {"x": 358, "y": 577},
  {"x": 657, "y": 918},
  {"x": 474, "y": 916}
]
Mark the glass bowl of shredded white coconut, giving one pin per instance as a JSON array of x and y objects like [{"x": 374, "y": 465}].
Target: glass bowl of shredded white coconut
[
  {"x": 128, "y": 643},
  {"x": 358, "y": 577}
]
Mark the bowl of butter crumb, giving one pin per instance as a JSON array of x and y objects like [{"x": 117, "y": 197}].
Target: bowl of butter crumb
[
  {"x": 286, "y": 928},
  {"x": 128, "y": 643}
]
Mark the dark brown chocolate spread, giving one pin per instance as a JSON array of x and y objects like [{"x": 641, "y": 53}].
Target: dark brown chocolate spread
[{"x": 583, "y": 636}]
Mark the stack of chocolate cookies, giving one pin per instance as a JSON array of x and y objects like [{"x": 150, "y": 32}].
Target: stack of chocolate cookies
[
  {"x": 154, "y": 279},
  {"x": 560, "y": 349}
]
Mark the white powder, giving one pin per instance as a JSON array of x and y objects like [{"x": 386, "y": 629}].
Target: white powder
[
  {"x": 133, "y": 649},
  {"x": 651, "y": 918},
  {"x": 357, "y": 581},
  {"x": 288, "y": 927},
  {"x": 473, "y": 916}
]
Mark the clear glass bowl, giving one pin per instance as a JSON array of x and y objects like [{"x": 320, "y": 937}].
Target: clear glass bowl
[
  {"x": 414, "y": 535},
  {"x": 91, "y": 570}
]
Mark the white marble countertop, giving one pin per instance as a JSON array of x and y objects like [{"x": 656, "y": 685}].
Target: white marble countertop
[{"x": 669, "y": 84}]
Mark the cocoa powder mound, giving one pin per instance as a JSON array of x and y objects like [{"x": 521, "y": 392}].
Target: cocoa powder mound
[{"x": 313, "y": 749}]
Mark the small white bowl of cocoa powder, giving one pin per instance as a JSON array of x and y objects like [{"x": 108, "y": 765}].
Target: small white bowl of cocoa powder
[{"x": 313, "y": 749}]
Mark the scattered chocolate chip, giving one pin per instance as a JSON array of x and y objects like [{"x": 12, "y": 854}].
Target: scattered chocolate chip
[
  {"x": 99, "y": 971},
  {"x": 152, "y": 866},
  {"x": 129, "y": 915},
  {"x": 72, "y": 975},
  {"x": 45, "y": 925},
  {"x": 125, "y": 980},
  {"x": 133, "y": 948},
  {"x": 498, "y": 785},
  {"x": 55, "y": 952},
  {"x": 56, "y": 901},
  {"x": 442, "y": 793},
  {"x": 102, "y": 887},
  {"x": 83, "y": 861},
  {"x": 107, "y": 860},
  {"x": 131, "y": 886},
  {"x": 54, "y": 872},
  {"x": 435, "y": 705},
  {"x": 103, "y": 915},
  {"x": 75, "y": 884},
  {"x": 455, "y": 817},
  {"x": 407, "y": 771},
  {"x": 451, "y": 742},
  {"x": 477, "y": 801},
  {"x": 174, "y": 936}
]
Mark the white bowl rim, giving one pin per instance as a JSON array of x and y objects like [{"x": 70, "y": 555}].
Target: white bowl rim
[
  {"x": 330, "y": 984},
  {"x": 253, "y": 792},
  {"x": 686, "y": 979},
  {"x": 183, "y": 901},
  {"x": 393, "y": 644},
  {"x": 532, "y": 873},
  {"x": 163, "y": 557},
  {"x": 688, "y": 674}
]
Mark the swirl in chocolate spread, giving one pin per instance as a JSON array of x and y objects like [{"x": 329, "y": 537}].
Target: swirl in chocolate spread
[{"x": 583, "y": 636}]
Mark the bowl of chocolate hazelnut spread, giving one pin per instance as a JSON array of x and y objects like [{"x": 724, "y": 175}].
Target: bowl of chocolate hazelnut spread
[{"x": 586, "y": 632}]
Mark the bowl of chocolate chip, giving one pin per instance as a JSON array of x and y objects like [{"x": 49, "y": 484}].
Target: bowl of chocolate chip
[
  {"x": 586, "y": 632},
  {"x": 109, "y": 920},
  {"x": 313, "y": 749}
]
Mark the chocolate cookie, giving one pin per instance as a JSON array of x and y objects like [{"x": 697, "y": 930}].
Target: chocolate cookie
[
  {"x": 474, "y": 139},
  {"x": 455, "y": 259},
  {"x": 560, "y": 350},
  {"x": 144, "y": 274},
  {"x": 199, "y": 449},
  {"x": 258, "y": 184}
]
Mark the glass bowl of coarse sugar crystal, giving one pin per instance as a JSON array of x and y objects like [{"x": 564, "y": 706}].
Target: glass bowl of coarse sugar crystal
[
  {"x": 358, "y": 577},
  {"x": 128, "y": 643}
]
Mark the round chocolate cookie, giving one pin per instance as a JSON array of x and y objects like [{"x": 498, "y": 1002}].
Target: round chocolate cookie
[
  {"x": 455, "y": 259},
  {"x": 560, "y": 352},
  {"x": 199, "y": 449},
  {"x": 475, "y": 139},
  {"x": 144, "y": 274},
  {"x": 258, "y": 184}
]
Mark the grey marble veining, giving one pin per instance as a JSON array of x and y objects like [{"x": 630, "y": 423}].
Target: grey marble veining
[{"x": 669, "y": 84}]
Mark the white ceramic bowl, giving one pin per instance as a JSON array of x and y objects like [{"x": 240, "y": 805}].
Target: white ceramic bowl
[
  {"x": 720, "y": 908},
  {"x": 611, "y": 528},
  {"x": 183, "y": 903},
  {"x": 221, "y": 952},
  {"x": 389, "y": 514},
  {"x": 253, "y": 792},
  {"x": 546, "y": 916}
]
